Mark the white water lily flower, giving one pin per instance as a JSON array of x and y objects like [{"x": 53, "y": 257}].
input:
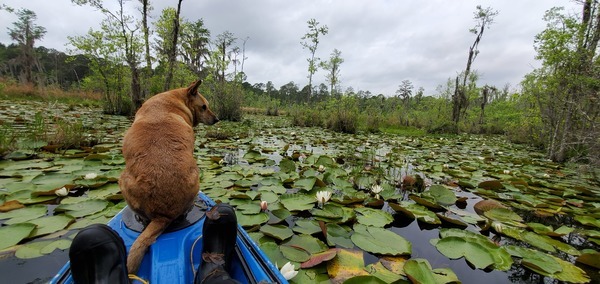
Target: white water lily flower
[
  {"x": 506, "y": 172},
  {"x": 321, "y": 168},
  {"x": 90, "y": 176},
  {"x": 322, "y": 197},
  {"x": 377, "y": 189},
  {"x": 288, "y": 271},
  {"x": 62, "y": 191},
  {"x": 546, "y": 175}
]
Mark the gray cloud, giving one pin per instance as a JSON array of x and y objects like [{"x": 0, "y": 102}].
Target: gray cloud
[{"x": 382, "y": 42}]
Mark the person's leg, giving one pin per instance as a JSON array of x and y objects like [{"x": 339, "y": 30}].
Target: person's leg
[
  {"x": 98, "y": 255},
  {"x": 219, "y": 236}
]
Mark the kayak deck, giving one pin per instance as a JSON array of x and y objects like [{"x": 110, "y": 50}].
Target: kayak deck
[{"x": 176, "y": 254}]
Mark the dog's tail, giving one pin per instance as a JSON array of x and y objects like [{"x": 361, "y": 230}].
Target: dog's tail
[{"x": 144, "y": 240}]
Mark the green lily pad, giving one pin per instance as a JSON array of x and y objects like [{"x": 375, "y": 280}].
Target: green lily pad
[
  {"x": 13, "y": 234},
  {"x": 308, "y": 227},
  {"x": 50, "y": 224},
  {"x": 373, "y": 217},
  {"x": 419, "y": 271},
  {"x": 318, "y": 258},
  {"x": 297, "y": 202},
  {"x": 271, "y": 249},
  {"x": 24, "y": 214},
  {"x": 306, "y": 184},
  {"x": 287, "y": 165},
  {"x": 279, "y": 232},
  {"x": 251, "y": 220},
  {"x": 294, "y": 254},
  {"x": 474, "y": 253},
  {"x": 380, "y": 241},
  {"x": 83, "y": 208},
  {"x": 441, "y": 195}
]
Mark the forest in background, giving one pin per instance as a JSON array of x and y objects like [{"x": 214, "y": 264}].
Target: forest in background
[{"x": 556, "y": 107}]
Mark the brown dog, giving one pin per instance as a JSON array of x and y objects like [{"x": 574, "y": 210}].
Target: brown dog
[{"x": 160, "y": 180}]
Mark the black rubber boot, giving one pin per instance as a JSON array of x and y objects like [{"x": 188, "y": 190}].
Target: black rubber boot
[
  {"x": 98, "y": 255},
  {"x": 219, "y": 235}
]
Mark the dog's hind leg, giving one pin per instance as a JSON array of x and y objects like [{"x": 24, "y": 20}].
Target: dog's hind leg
[{"x": 144, "y": 240}]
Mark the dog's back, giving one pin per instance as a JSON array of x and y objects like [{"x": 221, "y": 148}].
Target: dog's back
[{"x": 160, "y": 179}]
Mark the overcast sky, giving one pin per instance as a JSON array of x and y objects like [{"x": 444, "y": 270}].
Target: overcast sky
[{"x": 382, "y": 42}]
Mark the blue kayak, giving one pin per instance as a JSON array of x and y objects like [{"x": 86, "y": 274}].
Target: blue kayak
[{"x": 176, "y": 254}]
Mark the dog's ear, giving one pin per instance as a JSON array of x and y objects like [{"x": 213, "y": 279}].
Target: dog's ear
[{"x": 193, "y": 88}]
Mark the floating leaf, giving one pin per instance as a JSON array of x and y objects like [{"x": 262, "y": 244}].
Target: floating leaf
[
  {"x": 13, "y": 234},
  {"x": 250, "y": 220},
  {"x": 373, "y": 217},
  {"x": 50, "y": 224},
  {"x": 83, "y": 208},
  {"x": 294, "y": 254},
  {"x": 319, "y": 258},
  {"x": 503, "y": 215},
  {"x": 441, "y": 194},
  {"x": 419, "y": 271},
  {"x": 345, "y": 265},
  {"x": 474, "y": 253},
  {"x": 364, "y": 279},
  {"x": 279, "y": 232},
  {"x": 24, "y": 214},
  {"x": 380, "y": 241},
  {"x": 487, "y": 205},
  {"x": 272, "y": 250},
  {"x": 298, "y": 202},
  {"x": 306, "y": 184},
  {"x": 308, "y": 227}
]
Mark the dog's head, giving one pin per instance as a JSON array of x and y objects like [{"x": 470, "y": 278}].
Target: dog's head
[{"x": 199, "y": 106}]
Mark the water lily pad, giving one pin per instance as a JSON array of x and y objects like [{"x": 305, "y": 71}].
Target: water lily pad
[
  {"x": 308, "y": 227},
  {"x": 287, "y": 165},
  {"x": 279, "y": 232},
  {"x": 250, "y": 220},
  {"x": 380, "y": 241},
  {"x": 365, "y": 279},
  {"x": 298, "y": 202},
  {"x": 345, "y": 265},
  {"x": 24, "y": 214},
  {"x": 373, "y": 217},
  {"x": 307, "y": 243},
  {"x": 503, "y": 215},
  {"x": 441, "y": 195},
  {"x": 339, "y": 236},
  {"x": 50, "y": 224},
  {"x": 501, "y": 258},
  {"x": 83, "y": 208},
  {"x": 13, "y": 234},
  {"x": 379, "y": 271},
  {"x": 271, "y": 249},
  {"x": 419, "y": 212},
  {"x": 61, "y": 244},
  {"x": 305, "y": 184},
  {"x": 419, "y": 271},
  {"x": 294, "y": 254},
  {"x": 456, "y": 247},
  {"x": 318, "y": 258},
  {"x": 31, "y": 250}
]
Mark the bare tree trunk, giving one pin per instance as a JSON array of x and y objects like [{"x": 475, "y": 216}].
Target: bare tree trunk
[{"x": 173, "y": 51}]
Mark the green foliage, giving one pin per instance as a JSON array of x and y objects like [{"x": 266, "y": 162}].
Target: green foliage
[{"x": 343, "y": 114}]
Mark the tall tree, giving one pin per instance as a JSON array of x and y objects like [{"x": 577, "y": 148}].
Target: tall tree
[
  {"x": 173, "y": 49},
  {"x": 404, "y": 91},
  {"x": 25, "y": 32},
  {"x": 483, "y": 18},
  {"x": 194, "y": 45},
  {"x": 333, "y": 69},
  {"x": 565, "y": 88},
  {"x": 223, "y": 58},
  {"x": 125, "y": 33},
  {"x": 311, "y": 42},
  {"x": 145, "y": 9}
]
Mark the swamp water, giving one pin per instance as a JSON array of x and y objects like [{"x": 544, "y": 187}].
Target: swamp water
[{"x": 263, "y": 158}]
